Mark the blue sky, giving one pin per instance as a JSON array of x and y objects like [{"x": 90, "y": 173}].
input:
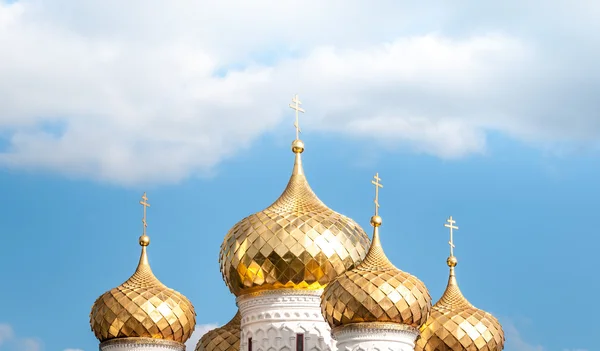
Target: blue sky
[{"x": 469, "y": 109}]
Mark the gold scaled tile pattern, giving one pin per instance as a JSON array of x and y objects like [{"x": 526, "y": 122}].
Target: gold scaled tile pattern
[
  {"x": 225, "y": 338},
  {"x": 297, "y": 243},
  {"x": 143, "y": 307},
  {"x": 376, "y": 291},
  {"x": 456, "y": 325}
]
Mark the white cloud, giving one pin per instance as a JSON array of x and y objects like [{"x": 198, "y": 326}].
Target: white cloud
[
  {"x": 200, "y": 330},
  {"x": 14, "y": 343},
  {"x": 183, "y": 86},
  {"x": 514, "y": 339},
  {"x": 6, "y": 333},
  {"x": 29, "y": 344}
]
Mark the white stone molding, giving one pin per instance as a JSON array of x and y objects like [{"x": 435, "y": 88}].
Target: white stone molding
[
  {"x": 375, "y": 337},
  {"x": 141, "y": 344},
  {"x": 273, "y": 318}
]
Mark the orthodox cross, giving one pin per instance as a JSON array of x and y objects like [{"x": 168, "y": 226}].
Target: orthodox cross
[
  {"x": 296, "y": 106},
  {"x": 144, "y": 203},
  {"x": 451, "y": 225},
  {"x": 378, "y": 185}
]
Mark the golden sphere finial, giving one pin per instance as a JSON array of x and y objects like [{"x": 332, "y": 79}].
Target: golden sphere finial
[
  {"x": 144, "y": 240},
  {"x": 452, "y": 261},
  {"x": 376, "y": 221},
  {"x": 297, "y": 146}
]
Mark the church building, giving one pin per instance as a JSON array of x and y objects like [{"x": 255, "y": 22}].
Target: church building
[{"x": 306, "y": 278}]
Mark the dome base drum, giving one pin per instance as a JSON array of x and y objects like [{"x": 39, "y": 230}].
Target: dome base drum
[
  {"x": 375, "y": 337},
  {"x": 281, "y": 319}
]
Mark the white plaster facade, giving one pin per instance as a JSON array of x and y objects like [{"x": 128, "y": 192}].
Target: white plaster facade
[
  {"x": 366, "y": 337},
  {"x": 272, "y": 319},
  {"x": 141, "y": 344}
]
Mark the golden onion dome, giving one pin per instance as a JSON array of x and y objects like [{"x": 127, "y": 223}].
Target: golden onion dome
[
  {"x": 143, "y": 307},
  {"x": 376, "y": 292},
  {"x": 225, "y": 338},
  {"x": 295, "y": 243},
  {"x": 456, "y": 325}
]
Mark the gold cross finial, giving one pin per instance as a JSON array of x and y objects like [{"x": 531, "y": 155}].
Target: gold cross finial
[
  {"x": 378, "y": 185},
  {"x": 296, "y": 106},
  {"x": 450, "y": 224},
  {"x": 144, "y": 202}
]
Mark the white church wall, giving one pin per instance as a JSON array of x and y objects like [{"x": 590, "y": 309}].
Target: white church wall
[
  {"x": 273, "y": 319},
  {"x": 141, "y": 344},
  {"x": 366, "y": 338}
]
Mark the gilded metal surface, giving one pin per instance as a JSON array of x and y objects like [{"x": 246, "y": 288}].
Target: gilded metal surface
[
  {"x": 455, "y": 324},
  {"x": 225, "y": 338},
  {"x": 376, "y": 291},
  {"x": 143, "y": 307},
  {"x": 297, "y": 242}
]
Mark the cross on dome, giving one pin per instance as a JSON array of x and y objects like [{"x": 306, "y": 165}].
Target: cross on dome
[
  {"x": 295, "y": 105},
  {"x": 378, "y": 185},
  {"x": 450, "y": 224},
  {"x": 144, "y": 202}
]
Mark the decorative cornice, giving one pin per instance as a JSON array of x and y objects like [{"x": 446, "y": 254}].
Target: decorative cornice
[
  {"x": 372, "y": 328},
  {"x": 136, "y": 342},
  {"x": 282, "y": 292},
  {"x": 274, "y": 301}
]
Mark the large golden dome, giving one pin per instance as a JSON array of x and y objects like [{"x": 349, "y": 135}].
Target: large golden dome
[
  {"x": 456, "y": 325},
  {"x": 225, "y": 338},
  {"x": 296, "y": 243},
  {"x": 143, "y": 307},
  {"x": 376, "y": 292}
]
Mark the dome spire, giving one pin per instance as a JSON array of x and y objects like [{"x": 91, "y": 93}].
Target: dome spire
[
  {"x": 452, "y": 295},
  {"x": 376, "y": 258},
  {"x": 451, "y": 261},
  {"x": 376, "y": 220},
  {"x": 144, "y": 240},
  {"x": 297, "y": 144}
]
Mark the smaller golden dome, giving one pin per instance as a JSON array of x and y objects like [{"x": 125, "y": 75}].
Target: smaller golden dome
[
  {"x": 225, "y": 338},
  {"x": 376, "y": 292},
  {"x": 455, "y": 324},
  {"x": 143, "y": 307}
]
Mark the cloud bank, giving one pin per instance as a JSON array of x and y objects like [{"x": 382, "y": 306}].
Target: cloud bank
[
  {"x": 10, "y": 342},
  {"x": 515, "y": 341},
  {"x": 115, "y": 91}
]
